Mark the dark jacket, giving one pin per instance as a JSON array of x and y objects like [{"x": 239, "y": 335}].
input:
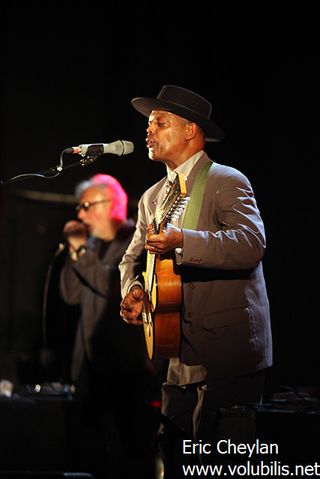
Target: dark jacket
[{"x": 110, "y": 345}]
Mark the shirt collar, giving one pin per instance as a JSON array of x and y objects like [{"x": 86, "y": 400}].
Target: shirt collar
[{"x": 185, "y": 167}]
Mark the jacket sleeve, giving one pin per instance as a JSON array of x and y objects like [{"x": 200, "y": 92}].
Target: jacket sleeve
[
  {"x": 91, "y": 272},
  {"x": 133, "y": 261},
  {"x": 69, "y": 283},
  {"x": 94, "y": 274},
  {"x": 230, "y": 233}
]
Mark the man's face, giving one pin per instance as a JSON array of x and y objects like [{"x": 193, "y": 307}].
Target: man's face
[
  {"x": 96, "y": 210},
  {"x": 166, "y": 136}
]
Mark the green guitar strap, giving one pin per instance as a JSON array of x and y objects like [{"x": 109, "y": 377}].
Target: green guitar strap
[{"x": 192, "y": 212}]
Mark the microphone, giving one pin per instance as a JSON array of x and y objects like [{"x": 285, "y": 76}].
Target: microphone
[
  {"x": 120, "y": 147},
  {"x": 61, "y": 248}
]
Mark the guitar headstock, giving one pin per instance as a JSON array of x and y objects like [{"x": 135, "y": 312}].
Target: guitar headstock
[{"x": 175, "y": 200}]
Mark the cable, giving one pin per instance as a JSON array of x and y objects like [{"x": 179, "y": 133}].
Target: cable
[{"x": 57, "y": 253}]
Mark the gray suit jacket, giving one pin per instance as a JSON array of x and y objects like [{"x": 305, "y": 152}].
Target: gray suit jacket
[{"x": 225, "y": 318}]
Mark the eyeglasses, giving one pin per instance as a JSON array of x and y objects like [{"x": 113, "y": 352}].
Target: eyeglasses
[{"x": 87, "y": 204}]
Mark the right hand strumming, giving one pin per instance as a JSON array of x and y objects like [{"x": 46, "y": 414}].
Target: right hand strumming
[{"x": 131, "y": 306}]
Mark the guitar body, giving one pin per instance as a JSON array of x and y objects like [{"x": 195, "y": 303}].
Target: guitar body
[
  {"x": 161, "y": 313},
  {"x": 161, "y": 307}
]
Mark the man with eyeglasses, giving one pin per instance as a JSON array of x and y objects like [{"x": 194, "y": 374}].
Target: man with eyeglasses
[{"x": 109, "y": 365}]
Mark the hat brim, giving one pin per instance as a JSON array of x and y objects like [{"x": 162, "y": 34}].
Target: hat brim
[{"x": 145, "y": 106}]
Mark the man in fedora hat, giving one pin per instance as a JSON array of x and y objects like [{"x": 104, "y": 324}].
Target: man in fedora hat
[{"x": 217, "y": 244}]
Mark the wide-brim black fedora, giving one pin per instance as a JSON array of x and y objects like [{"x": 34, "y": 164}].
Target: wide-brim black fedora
[{"x": 184, "y": 103}]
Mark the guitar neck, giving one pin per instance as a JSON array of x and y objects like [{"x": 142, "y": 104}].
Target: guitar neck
[{"x": 172, "y": 205}]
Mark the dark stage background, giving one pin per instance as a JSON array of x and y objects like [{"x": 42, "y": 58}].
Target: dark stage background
[{"x": 68, "y": 75}]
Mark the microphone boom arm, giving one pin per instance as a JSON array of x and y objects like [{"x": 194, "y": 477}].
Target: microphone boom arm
[{"x": 89, "y": 153}]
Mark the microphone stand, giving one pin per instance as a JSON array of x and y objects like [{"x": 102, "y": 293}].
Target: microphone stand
[{"x": 54, "y": 171}]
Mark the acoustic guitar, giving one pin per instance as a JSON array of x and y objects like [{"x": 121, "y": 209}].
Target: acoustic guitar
[{"x": 162, "y": 283}]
